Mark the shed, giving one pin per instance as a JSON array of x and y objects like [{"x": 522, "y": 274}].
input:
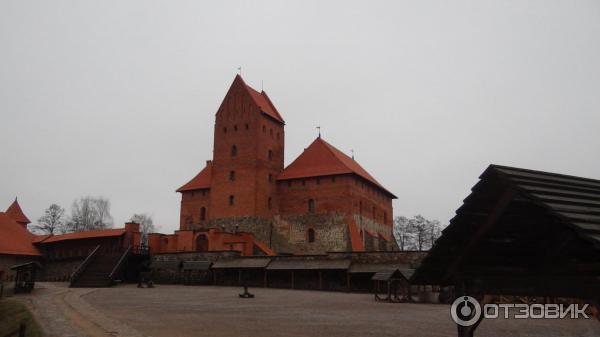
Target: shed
[
  {"x": 25, "y": 276},
  {"x": 521, "y": 232}
]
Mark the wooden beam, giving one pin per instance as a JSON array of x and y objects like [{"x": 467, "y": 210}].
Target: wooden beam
[{"x": 488, "y": 223}]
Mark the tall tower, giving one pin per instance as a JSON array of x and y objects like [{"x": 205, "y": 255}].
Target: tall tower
[{"x": 247, "y": 155}]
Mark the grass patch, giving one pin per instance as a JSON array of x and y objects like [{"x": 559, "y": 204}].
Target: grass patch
[{"x": 12, "y": 312}]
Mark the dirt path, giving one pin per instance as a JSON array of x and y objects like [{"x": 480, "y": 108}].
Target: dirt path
[{"x": 62, "y": 312}]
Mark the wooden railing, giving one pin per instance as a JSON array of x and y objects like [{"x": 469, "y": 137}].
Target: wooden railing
[
  {"x": 119, "y": 264},
  {"x": 84, "y": 264}
]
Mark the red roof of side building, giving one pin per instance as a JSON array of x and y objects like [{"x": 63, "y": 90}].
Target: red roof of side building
[
  {"x": 14, "y": 239},
  {"x": 200, "y": 181},
  {"x": 323, "y": 159},
  {"x": 262, "y": 101},
  {"x": 100, "y": 233},
  {"x": 15, "y": 212}
]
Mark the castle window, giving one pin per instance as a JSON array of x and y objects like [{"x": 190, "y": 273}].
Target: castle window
[
  {"x": 231, "y": 200},
  {"x": 202, "y": 213},
  {"x": 270, "y": 154},
  {"x": 277, "y": 135},
  {"x": 311, "y": 235},
  {"x": 232, "y": 175},
  {"x": 271, "y": 132},
  {"x": 235, "y": 127},
  {"x": 247, "y": 127},
  {"x": 234, "y": 151},
  {"x": 374, "y": 212},
  {"x": 270, "y": 202},
  {"x": 264, "y": 129},
  {"x": 225, "y": 130},
  {"x": 385, "y": 217},
  {"x": 311, "y": 206},
  {"x": 270, "y": 178}
]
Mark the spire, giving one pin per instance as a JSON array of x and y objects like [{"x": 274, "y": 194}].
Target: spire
[{"x": 14, "y": 211}]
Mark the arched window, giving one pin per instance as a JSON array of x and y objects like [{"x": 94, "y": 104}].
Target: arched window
[
  {"x": 311, "y": 205},
  {"x": 201, "y": 243},
  {"x": 231, "y": 200},
  {"x": 202, "y": 213},
  {"x": 247, "y": 126},
  {"x": 311, "y": 235},
  {"x": 270, "y": 202},
  {"x": 270, "y": 154},
  {"x": 234, "y": 151},
  {"x": 232, "y": 175}
]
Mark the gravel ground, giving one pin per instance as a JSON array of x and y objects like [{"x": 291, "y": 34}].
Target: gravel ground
[{"x": 172, "y": 311}]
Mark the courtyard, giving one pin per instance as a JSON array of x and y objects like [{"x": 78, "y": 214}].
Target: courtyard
[{"x": 171, "y": 311}]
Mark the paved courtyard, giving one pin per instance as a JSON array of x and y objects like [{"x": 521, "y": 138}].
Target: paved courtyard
[{"x": 171, "y": 311}]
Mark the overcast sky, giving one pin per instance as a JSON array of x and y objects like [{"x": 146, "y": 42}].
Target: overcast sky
[{"x": 117, "y": 98}]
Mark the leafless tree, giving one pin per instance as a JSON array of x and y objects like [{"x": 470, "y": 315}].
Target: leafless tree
[
  {"x": 402, "y": 232},
  {"x": 146, "y": 225},
  {"x": 52, "y": 220},
  {"x": 417, "y": 233},
  {"x": 89, "y": 213}
]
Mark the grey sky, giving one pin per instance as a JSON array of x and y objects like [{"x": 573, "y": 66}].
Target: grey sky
[{"x": 117, "y": 98}]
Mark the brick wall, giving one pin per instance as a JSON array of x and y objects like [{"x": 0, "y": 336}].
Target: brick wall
[{"x": 191, "y": 205}]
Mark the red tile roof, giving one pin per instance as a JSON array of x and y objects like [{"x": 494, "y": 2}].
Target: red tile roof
[
  {"x": 14, "y": 239},
  {"x": 200, "y": 181},
  {"x": 262, "y": 100},
  {"x": 15, "y": 212},
  {"x": 100, "y": 233},
  {"x": 323, "y": 159}
]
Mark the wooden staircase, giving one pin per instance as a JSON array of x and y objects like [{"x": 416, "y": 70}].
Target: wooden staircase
[{"x": 99, "y": 268}]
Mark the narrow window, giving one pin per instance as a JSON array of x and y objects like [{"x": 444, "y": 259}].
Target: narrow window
[
  {"x": 235, "y": 127},
  {"x": 234, "y": 151},
  {"x": 270, "y": 178},
  {"x": 311, "y": 235},
  {"x": 264, "y": 129},
  {"x": 231, "y": 200},
  {"x": 270, "y": 154},
  {"x": 202, "y": 213},
  {"x": 384, "y": 218},
  {"x": 374, "y": 212},
  {"x": 277, "y": 135},
  {"x": 224, "y": 130},
  {"x": 311, "y": 206},
  {"x": 269, "y": 202},
  {"x": 232, "y": 175},
  {"x": 247, "y": 127}
]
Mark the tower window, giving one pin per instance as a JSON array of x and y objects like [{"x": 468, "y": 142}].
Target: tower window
[
  {"x": 385, "y": 217},
  {"x": 247, "y": 127},
  {"x": 374, "y": 212},
  {"x": 311, "y": 206},
  {"x": 270, "y": 202},
  {"x": 232, "y": 175},
  {"x": 225, "y": 130},
  {"x": 202, "y": 213},
  {"x": 270, "y": 178},
  {"x": 235, "y": 127},
  {"x": 231, "y": 200},
  {"x": 310, "y": 235},
  {"x": 264, "y": 129},
  {"x": 277, "y": 135},
  {"x": 271, "y": 132},
  {"x": 270, "y": 154},
  {"x": 234, "y": 151}
]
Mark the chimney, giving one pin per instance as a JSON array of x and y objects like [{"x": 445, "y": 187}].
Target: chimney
[{"x": 132, "y": 226}]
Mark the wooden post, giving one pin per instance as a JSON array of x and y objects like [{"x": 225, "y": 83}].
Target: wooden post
[
  {"x": 292, "y": 279},
  {"x": 265, "y": 284}
]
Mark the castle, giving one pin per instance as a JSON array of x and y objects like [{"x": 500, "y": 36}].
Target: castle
[{"x": 323, "y": 201}]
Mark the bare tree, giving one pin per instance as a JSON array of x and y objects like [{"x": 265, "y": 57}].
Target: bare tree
[
  {"x": 51, "y": 221},
  {"x": 89, "y": 213},
  {"x": 146, "y": 225},
  {"x": 435, "y": 231},
  {"x": 418, "y": 226},
  {"x": 402, "y": 233}
]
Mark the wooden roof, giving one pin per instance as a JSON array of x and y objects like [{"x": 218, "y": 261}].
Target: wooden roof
[
  {"x": 242, "y": 263},
  {"x": 14, "y": 239},
  {"x": 98, "y": 233},
  {"x": 524, "y": 224},
  {"x": 293, "y": 264},
  {"x": 196, "y": 265},
  {"x": 323, "y": 159},
  {"x": 15, "y": 212}
]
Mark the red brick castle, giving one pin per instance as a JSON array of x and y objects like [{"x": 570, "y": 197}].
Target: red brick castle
[{"x": 323, "y": 201}]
